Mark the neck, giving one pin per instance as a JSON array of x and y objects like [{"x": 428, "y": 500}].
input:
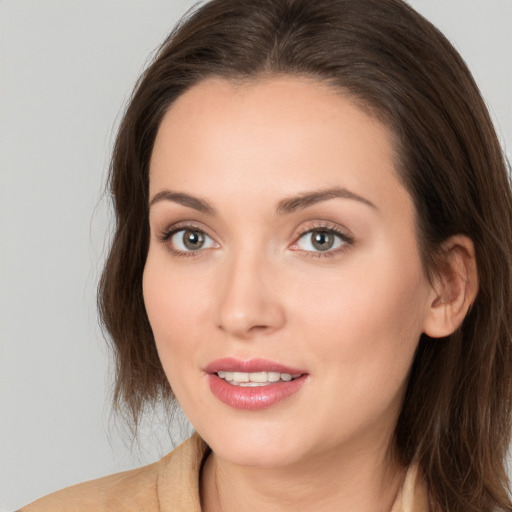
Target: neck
[{"x": 363, "y": 480}]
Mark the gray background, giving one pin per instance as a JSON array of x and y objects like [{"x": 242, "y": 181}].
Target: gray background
[{"x": 66, "y": 70}]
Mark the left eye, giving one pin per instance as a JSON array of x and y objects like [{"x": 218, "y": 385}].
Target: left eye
[
  {"x": 320, "y": 240},
  {"x": 187, "y": 240}
]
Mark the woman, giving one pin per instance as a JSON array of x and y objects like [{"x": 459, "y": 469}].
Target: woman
[{"x": 313, "y": 255}]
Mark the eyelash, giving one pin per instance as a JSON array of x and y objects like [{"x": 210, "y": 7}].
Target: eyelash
[
  {"x": 166, "y": 236},
  {"x": 346, "y": 240}
]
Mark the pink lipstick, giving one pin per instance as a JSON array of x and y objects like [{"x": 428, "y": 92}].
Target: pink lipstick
[{"x": 254, "y": 384}]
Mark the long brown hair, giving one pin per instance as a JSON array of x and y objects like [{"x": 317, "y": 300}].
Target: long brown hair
[{"x": 456, "y": 416}]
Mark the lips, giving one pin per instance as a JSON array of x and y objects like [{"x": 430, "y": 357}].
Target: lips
[{"x": 254, "y": 384}]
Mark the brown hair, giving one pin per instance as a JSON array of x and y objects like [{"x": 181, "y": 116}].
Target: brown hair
[{"x": 456, "y": 417}]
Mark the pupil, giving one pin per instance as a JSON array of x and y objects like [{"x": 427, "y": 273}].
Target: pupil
[
  {"x": 322, "y": 240},
  {"x": 193, "y": 239}
]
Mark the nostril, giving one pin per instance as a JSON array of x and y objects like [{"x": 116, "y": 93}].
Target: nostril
[{"x": 259, "y": 328}]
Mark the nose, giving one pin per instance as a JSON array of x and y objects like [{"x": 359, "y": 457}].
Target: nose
[{"x": 249, "y": 298}]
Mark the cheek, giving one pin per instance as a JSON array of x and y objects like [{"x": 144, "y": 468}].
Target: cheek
[
  {"x": 174, "y": 307},
  {"x": 366, "y": 320},
  {"x": 385, "y": 295},
  {"x": 173, "y": 296}
]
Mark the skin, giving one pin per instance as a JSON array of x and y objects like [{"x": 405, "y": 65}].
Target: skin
[{"x": 350, "y": 317}]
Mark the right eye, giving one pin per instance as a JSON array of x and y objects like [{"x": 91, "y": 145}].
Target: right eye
[{"x": 190, "y": 240}]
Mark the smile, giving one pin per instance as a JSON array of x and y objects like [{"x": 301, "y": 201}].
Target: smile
[
  {"x": 254, "y": 384},
  {"x": 255, "y": 379}
]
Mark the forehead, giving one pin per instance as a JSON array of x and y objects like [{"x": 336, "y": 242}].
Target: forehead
[
  {"x": 277, "y": 135},
  {"x": 283, "y": 107}
]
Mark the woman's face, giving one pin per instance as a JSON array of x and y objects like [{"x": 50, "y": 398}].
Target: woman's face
[{"x": 282, "y": 247}]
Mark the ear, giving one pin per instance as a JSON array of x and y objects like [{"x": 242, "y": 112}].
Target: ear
[{"x": 454, "y": 288}]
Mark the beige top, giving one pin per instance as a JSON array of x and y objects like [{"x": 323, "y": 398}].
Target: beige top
[{"x": 172, "y": 485}]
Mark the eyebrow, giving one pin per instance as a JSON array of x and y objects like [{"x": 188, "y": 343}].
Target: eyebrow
[
  {"x": 284, "y": 207},
  {"x": 184, "y": 199},
  {"x": 293, "y": 204}
]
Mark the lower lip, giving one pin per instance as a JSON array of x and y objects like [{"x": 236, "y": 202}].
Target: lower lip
[{"x": 253, "y": 398}]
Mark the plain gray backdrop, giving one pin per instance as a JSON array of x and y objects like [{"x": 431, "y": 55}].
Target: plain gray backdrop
[{"x": 66, "y": 70}]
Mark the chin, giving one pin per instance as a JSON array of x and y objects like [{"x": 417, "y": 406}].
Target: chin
[{"x": 257, "y": 446}]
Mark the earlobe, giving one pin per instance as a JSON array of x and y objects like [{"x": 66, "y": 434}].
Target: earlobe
[{"x": 454, "y": 288}]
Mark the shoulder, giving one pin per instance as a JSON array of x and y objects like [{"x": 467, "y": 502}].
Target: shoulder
[
  {"x": 136, "y": 488},
  {"x": 172, "y": 479}
]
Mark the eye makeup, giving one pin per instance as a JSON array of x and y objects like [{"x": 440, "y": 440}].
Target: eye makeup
[{"x": 318, "y": 239}]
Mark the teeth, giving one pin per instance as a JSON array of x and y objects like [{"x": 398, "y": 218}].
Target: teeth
[
  {"x": 241, "y": 377},
  {"x": 254, "y": 379},
  {"x": 273, "y": 376}
]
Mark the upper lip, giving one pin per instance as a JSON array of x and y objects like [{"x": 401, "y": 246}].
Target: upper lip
[{"x": 249, "y": 366}]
